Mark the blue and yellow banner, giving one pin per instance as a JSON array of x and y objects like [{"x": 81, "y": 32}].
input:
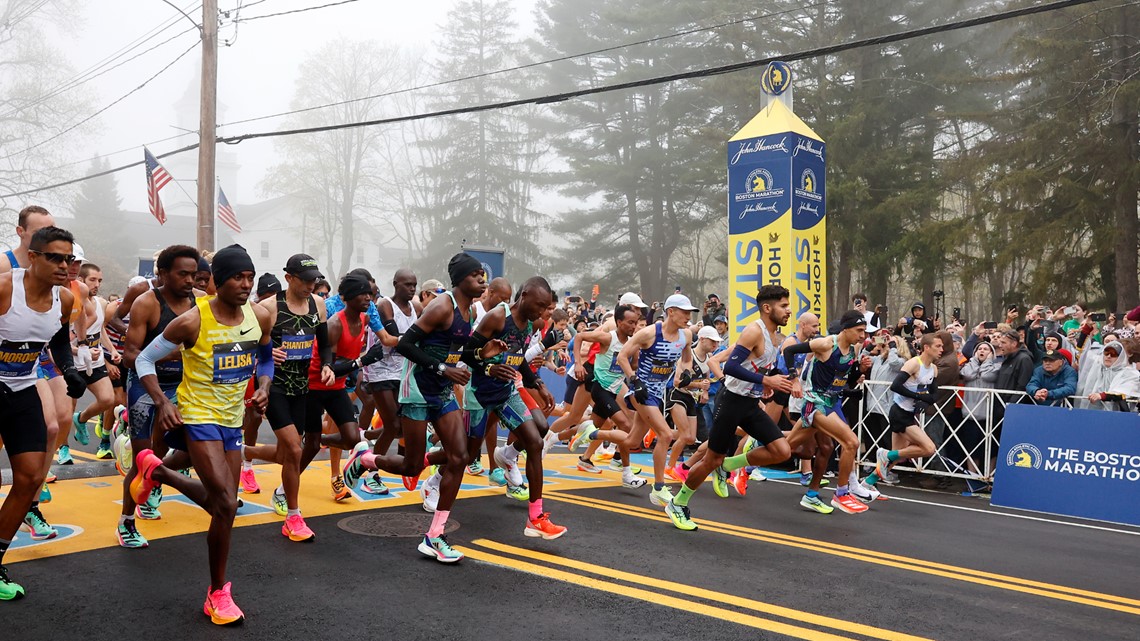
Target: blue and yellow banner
[{"x": 775, "y": 182}]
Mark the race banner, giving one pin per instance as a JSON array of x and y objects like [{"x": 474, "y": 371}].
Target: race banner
[
  {"x": 775, "y": 178},
  {"x": 1083, "y": 463}
]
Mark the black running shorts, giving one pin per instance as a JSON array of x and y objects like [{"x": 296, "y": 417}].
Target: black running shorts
[
  {"x": 23, "y": 428},
  {"x": 734, "y": 410}
]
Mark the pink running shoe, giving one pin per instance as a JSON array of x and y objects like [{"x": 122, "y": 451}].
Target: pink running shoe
[
  {"x": 680, "y": 473},
  {"x": 295, "y": 528},
  {"x": 249, "y": 482},
  {"x": 220, "y": 607}
]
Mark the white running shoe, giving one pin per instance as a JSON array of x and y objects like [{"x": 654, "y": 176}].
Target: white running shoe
[
  {"x": 514, "y": 476},
  {"x": 431, "y": 497},
  {"x": 864, "y": 492}
]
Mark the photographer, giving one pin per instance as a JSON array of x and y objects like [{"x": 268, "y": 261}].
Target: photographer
[
  {"x": 916, "y": 321},
  {"x": 712, "y": 308},
  {"x": 859, "y": 303}
]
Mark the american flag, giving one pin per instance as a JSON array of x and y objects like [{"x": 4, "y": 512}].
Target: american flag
[
  {"x": 226, "y": 213},
  {"x": 156, "y": 179}
]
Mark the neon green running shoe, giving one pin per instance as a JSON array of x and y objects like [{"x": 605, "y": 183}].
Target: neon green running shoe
[
  {"x": 585, "y": 431},
  {"x": 518, "y": 492},
  {"x": 9, "y": 591},
  {"x": 679, "y": 514},
  {"x": 616, "y": 466},
  {"x": 814, "y": 503},
  {"x": 662, "y": 497},
  {"x": 720, "y": 482},
  {"x": 280, "y": 506}
]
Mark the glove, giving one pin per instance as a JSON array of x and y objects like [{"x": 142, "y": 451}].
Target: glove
[
  {"x": 75, "y": 383},
  {"x": 686, "y": 378},
  {"x": 640, "y": 391},
  {"x": 83, "y": 359},
  {"x": 856, "y": 394},
  {"x": 927, "y": 397}
]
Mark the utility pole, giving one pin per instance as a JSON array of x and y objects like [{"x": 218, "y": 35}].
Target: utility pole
[{"x": 208, "y": 124}]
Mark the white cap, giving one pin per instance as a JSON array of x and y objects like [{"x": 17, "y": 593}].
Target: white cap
[
  {"x": 135, "y": 280},
  {"x": 77, "y": 250},
  {"x": 680, "y": 301},
  {"x": 708, "y": 332},
  {"x": 630, "y": 298}
]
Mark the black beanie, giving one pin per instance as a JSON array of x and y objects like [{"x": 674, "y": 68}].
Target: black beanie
[
  {"x": 203, "y": 265},
  {"x": 461, "y": 266},
  {"x": 229, "y": 262},
  {"x": 353, "y": 285}
]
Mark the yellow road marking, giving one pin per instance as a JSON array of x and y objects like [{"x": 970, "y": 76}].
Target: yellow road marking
[
  {"x": 692, "y": 591},
  {"x": 84, "y": 455},
  {"x": 1074, "y": 595},
  {"x": 656, "y": 598}
]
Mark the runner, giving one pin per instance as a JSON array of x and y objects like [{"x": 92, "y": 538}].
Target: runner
[
  {"x": 683, "y": 400},
  {"x": 748, "y": 371},
  {"x": 299, "y": 322},
  {"x": 433, "y": 346},
  {"x": 607, "y": 385},
  {"x": 496, "y": 355},
  {"x": 35, "y": 310},
  {"x": 498, "y": 291},
  {"x": 224, "y": 341},
  {"x": 92, "y": 277},
  {"x": 151, "y": 313},
  {"x": 661, "y": 351},
  {"x": 329, "y": 392},
  {"x": 833, "y": 362},
  {"x": 100, "y": 352},
  {"x": 914, "y": 390},
  {"x": 398, "y": 313}
]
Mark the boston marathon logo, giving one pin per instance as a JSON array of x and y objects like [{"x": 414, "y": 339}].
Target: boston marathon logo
[
  {"x": 777, "y": 78},
  {"x": 1024, "y": 455},
  {"x": 1072, "y": 461},
  {"x": 760, "y": 186}
]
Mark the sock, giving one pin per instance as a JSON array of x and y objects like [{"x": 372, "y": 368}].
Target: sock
[
  {"x": 657, "y": 486},
  {"x": 369, "y": 460},
  {"x": 617, "y": 456},
  {"x": 594, "y": 435},
  {"x": 34, "y": 505},
  {"x": 280, "y": 490},
  {"x": 626, "y": 472},
  {"x": 4, "y": 543},
  {"x": 513, "y": 449},
  {"x": 841, "y": 490},
  {"x": 535, "y": 509},
  {"x": 871, "y": 479},
  {"x": 893, "y": 456},
  {"x": 733, "y": 463},
  {"x": 123, "y": 518},
  {"x": 813, "y": 494},
  {"x": 685, "y": 465},
  {"x": 584, "y": 459},
  {"x": 682, "y": 497},
  {"x": 293, "y": 513},
  {"x": 438, "y": 521},
  {"x": 246, "y": 465}
]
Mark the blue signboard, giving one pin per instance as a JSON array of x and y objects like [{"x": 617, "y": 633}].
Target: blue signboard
[
  {"x": 492, "y": 260},
  {"x": 146, "y": 267},
  {"x": 1083, "y": 463}
]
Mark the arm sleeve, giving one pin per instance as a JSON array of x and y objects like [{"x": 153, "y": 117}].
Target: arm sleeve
[
  {"x": 60, "y": 348},
  {"x": 529, "y": 378},
  {"x": 373, "y": 355},
  {"x": 534, "y": 351},
  {"x": 391, "y": 328},
  {"x": 324, "y": 348},
  {"x": 410, "y": 349},
  {"x": 735, "y": 368},
  {"x": 265, "y": 360},
  {"x": 791, "y": 350},
  {"x": 158, "y": 349},
  {"x": 898, "y": 386}
]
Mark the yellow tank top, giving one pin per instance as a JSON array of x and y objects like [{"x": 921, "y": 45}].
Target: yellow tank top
[{"x": 216, "y": 371}]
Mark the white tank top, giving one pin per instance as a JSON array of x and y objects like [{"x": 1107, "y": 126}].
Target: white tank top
[
  {"x": 23, "y": 334},
  {"x": 95, "y": 334},
  {"x": 918, "y": 383},
  {"x": 759, "y": 364},
  {"x": 392, "y": 365}
]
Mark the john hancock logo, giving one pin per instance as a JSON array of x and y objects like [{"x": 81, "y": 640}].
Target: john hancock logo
[{"x": 1024, "y": 455}]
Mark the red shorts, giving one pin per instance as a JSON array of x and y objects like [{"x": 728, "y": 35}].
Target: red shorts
[{"x": 251, "y": 388}]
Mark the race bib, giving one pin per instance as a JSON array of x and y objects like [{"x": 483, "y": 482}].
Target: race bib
[
  {"x": 234, "y": 362},
  {"x": 17, "y": 359},
  {"x": 298, "y": 347}
]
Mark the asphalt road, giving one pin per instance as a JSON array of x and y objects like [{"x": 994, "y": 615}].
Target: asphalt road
[{"x": 922, "y": 565}]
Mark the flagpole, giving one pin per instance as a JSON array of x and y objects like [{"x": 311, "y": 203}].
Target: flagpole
[{"x": 207, "y": 127}]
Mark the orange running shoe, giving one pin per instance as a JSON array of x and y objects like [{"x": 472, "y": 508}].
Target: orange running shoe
[
  {"x": 339, "y": 491},
  {"x": 648, "y": 440},
  {"x": 740, "y": 482},
  {"x": 145, "y": 463},
  {"x": 542, "y": 527},
  {"x": 848, "y": 504}
]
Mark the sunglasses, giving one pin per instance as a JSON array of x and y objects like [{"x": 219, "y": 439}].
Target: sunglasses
[
  {"x": 440, "y": 290},
  {"x": 323, "y": 294},
  {"x": 56, "y": 258}
]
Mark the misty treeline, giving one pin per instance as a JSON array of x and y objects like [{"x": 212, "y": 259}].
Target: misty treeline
[{"x": 997, "y": 163}]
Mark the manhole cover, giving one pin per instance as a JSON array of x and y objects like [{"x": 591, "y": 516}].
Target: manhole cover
[{"x": 392, "y": 524}]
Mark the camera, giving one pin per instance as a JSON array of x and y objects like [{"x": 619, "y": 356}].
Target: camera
[{"x": 937, "y": 293}]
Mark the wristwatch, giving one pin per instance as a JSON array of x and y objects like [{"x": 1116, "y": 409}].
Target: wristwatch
[{"x": 440, "y": 368}]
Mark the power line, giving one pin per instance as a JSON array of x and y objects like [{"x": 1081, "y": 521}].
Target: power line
[
  {"x": 701, "y": 73},
  {"x": 85, "y": 75},
  {"x": 291, "y": 11},
  {"x": 105, "y": 108},
  {"x": 526, "y": 66}
]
